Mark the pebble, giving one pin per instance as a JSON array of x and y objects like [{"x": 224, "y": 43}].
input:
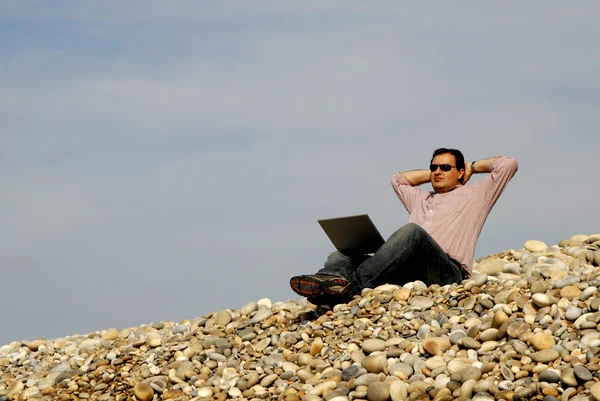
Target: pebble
[
  {"x": 582, "y": 373},
  {"x": 542, "y": 341},
  {"x": 573, "y": 313},
  {"x": 223, "y": 318},
  {"x": 535, "y": 246},
  {"x": 143, "y": 392},
  {"x": 545, "y": 356},
  {"x": 524, "y": 325},
  {"x": 436, "y": 345},
  {"x": 568, "y": 378},
  {"x": 399, "y": 391},
  {"x": 595, "y": 391},
  {"x": 549, "y": 376},
  {"x": 543, "y": 299},
  {"x": 373, "y": 344},
  {"x": 378, "y": 391},
  {"x": 421, "y": 302}
]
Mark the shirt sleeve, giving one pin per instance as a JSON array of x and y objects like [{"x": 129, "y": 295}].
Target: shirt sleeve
[
  {"x": 407, "y": 193},
  {"x": 491, "y": 187}
]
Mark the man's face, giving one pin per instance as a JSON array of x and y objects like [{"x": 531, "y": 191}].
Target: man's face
[{"x": 444, "y": 181}]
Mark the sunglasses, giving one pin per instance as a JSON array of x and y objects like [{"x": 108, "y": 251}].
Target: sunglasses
[{"x": 443, "y": 167}]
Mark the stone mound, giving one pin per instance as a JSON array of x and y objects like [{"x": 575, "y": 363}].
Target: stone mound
[{"x": 524, "y": 326}]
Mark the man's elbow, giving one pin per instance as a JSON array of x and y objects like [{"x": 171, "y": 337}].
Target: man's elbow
[
  {"x": 513, "y": 164},
  {"x": 507, "y": 162},
  {"x": 399, "y": 179}
]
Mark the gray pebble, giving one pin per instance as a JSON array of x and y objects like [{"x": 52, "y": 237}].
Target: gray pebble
[
  {"x": 569, "y": 280},
  {"x": 470, "y": 373},
  {"x": 481, "y": 396},
  {"x": 549, "y": 376},
  {"x": 179, "y": 329},
  {"x": 573, "y": 313},
  {"x": 568, "y": 377},
  {"x": 582, "y": 373},
  {"x": 353, "y": 371}
]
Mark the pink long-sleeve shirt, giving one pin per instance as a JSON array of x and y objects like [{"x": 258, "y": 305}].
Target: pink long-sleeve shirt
[{"x": 454, "y": 219}]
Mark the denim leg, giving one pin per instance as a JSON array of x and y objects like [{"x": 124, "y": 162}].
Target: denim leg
[
  {"x": 409, "y": 254},
  {"x": 339, "y": 264}
]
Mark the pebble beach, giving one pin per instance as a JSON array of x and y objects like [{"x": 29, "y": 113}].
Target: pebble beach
[{"x": 524, "y": 326}]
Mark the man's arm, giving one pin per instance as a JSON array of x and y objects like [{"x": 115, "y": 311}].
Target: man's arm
[
  {"x": 417, "y": 177},
  {"x": 407, "y": 190},
  {"x": 501, "y": 169},
  {"x": 480, "y": 166}
]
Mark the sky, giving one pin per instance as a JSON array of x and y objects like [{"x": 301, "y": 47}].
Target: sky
[{"x": 163, "y": 160}]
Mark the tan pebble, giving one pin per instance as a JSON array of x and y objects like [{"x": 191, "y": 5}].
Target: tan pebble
[
  {"x": 558, "y": 275},
  {"x": 579, "y": 238},
  {"x": 521, "y": 374},
  {"x": 535, "y": 246},
  {"x": 545, "y": 356},
  {"x": 469, "y": 343},
  {"x": 387, "y": 288},
  {"x": 262, "y": 344},
  {"x": 111, "y": 335},
  {"x": 223, "y": 318},
  {"x": 324, "y": 388},
  {"x": 174, "y": 394},
  {"x": 458, "y": 364},
  {"x": 378, "y": 391},
  {"x": 595, "y": 391},
  {"x": 550, "y": 391},
  {"x": 304, "y": 359},
  {"x": 154, "y": 340},
  {"x": 264, "y": 302},
  {"x": 515, "y": 329},
  {"x": 570, "y": 292},
  {"x": 372, "y": 345},
  {"x": 491, "y": 266},
  {"x": 35, "y": 344},
  {"x": 143, "y": 392},
  {"x": 542, "y": 300},
  {"x": 488, "y": 346},
  {"x": 499, "y": 318},
  {"x": 436, "y": 345},
  {"x": 316, "y": 346},
  {"x": 205, "y": 392},
  {"x": 398, "y": 390},
  {"x": 402, "y": 294},
  {"x": 375, "y": 363},
  {"x": 14, "y": 388},
  {"x": 542, "y": 341},
  {"x": 234, "y": 392},
  {"x": 490, "y": 334}
]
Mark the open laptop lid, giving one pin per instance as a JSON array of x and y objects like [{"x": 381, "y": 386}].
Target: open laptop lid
[{"x": 353, "y": 234}]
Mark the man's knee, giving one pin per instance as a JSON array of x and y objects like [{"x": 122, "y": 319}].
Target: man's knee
[
  {"x": 407, "y": 231},
  {"x": 336, "y": 255}
]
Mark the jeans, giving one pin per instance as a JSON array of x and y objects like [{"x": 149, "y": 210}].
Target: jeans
[{"x": 409, "y": 254}]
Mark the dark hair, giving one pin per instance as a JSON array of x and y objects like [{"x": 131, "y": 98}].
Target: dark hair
[{"x": 460, "y": 159}]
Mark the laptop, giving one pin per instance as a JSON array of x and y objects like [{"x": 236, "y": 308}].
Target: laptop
[{"x": 353, "y": 234}]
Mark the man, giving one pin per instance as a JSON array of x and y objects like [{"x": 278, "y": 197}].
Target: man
[{"x": 438, "y": 243}]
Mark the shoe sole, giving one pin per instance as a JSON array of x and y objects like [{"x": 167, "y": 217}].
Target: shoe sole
[{"x": 308, "y": 286}]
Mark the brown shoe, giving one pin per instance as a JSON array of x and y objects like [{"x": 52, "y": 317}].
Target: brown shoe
[{"x": 314, "y": 285}]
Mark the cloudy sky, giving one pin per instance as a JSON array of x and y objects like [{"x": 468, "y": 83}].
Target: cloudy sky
[{"x": 163, "y": 160}]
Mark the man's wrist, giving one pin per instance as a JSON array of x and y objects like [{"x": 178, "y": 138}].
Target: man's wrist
[{"x": 473, "y": 169}]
